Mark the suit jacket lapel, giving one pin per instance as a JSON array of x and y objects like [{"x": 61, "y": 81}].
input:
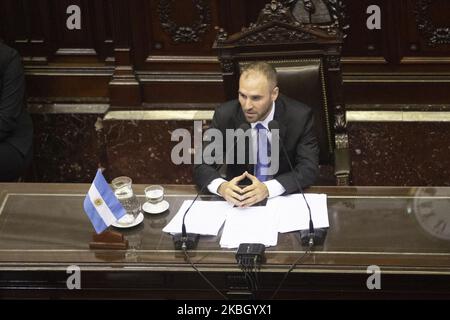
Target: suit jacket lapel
[
  {"x": 280, "y": 114},
  {"x": 239, "y": 119}
]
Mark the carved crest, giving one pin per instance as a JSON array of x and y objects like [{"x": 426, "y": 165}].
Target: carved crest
[
  {"x": 276, "y": 24},
  {"x": 185, "y": 34},
  {"x": 328, "y": 14}
]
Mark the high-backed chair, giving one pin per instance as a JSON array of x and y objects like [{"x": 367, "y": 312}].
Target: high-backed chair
[{"x": 307, "y": 60}]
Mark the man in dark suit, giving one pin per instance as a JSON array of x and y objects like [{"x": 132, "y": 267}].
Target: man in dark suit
[
  {"x": 260, "y": 102},
  {"x": 16, "y": 128}
]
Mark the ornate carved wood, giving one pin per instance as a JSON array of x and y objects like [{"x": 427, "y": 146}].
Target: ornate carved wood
[
  {"x": 185, "y": 34},
  {"x": 434, "y": 35},
  {"x": 277, "y": 35},
  {"x": 277, "y": 25},
  {"x": 55, "y": 58},
  {"x": 335, "y": 9}
]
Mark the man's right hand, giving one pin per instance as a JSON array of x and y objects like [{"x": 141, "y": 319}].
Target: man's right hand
[{"x": 230, "y": 190}]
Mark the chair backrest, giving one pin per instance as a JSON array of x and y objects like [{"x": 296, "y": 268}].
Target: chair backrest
[
  {"x": 307, "y": 60},
  {"x": 304, "y": 81}
]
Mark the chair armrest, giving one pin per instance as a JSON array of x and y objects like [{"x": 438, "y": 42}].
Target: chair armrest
[{"x": 342, "y": 162}]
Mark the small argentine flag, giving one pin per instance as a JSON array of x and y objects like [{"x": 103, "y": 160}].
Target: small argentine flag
[{"x": 101, "y": 205}]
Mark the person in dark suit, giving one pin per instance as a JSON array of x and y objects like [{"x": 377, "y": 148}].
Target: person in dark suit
[
  {"x": 260, "y": 102},
  {"x": 16, "y": 128}
]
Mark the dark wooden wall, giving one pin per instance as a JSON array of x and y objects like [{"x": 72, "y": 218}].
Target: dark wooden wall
[
  {"x": 147, "y": 36},
  {"x": 156, "y": 54}
]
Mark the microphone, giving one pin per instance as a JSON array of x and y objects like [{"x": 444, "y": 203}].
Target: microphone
[
  {"x": 311, "y": 236},
  {"x": 188, "y": 241}
]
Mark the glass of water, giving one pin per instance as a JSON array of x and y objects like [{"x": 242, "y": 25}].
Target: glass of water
[{"x": 124, "y": 192}]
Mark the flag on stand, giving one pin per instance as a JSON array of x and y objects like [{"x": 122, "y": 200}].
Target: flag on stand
[{"x": 101, "y": 205}]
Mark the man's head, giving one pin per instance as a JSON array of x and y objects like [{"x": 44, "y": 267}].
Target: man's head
[{"x": 257, "y": 90}]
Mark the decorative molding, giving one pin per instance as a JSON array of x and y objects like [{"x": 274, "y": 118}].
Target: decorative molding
[
  {"x": 434, "y": 35},
  {"x": 273, "y": 11},
  {"x": 340, "y": 128},
  {"x": 76, "y": 52},
  {"x": 336, "y": 10},
  {"x": 276, "y": 24},
  {"x": 192, "y": 77},
  {"x": 333, "y": 62},
  {"x": 124, "y": 86},
  {"x": 161, "y": 115},
  {"x": 340, "y": 124},
  {"x": 276, "y": 34},
  {"x": 185, "y": 34},
  {"x": 425, "y": 60},
  {"x": 67, "y": 108},
  {"x": 222, "y": 35},
  {"x": 227, "y": 66},
  {"x": 181, "y": 59},
  {"x": 31, "y": 70},
  {"x": 342, "y": 180},
  {"x": 341, "y": 140},
  {"x": 398, "y": 116}
]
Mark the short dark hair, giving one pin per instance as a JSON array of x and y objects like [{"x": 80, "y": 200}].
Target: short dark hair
[{"x": 264, "y": 68}]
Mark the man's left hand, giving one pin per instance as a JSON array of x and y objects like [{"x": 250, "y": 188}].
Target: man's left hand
[{"x": 253, "y": 193}]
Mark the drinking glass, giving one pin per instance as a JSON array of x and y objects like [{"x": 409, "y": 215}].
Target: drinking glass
[{"x": 124, "y": 192}]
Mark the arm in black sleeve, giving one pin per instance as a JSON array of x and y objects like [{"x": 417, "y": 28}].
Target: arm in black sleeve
[
  {"x": 205, "y": 173},
  {"x": 12, "y": 96},
  {"x": 306, "y": 161}
]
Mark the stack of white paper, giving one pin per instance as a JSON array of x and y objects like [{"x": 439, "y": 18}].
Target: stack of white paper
[
  {"x": 292, "y": 212},
  {"x": 205, "y": 217},
  {"x": 249, "y": 225},
  {"x": 253, "y": 224}
]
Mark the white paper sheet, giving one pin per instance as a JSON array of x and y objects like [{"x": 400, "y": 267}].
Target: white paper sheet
[
  {"x": 249, "y": 225},
  {"x": 205, "y": 217},
  {"x": 292, "y": 212},
  {"x": 254, "y": 224}
]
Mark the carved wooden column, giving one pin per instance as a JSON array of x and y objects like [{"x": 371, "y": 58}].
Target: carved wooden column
[
  {"x": 124, "y": 87},
  {"x": 337, "y": 107}
]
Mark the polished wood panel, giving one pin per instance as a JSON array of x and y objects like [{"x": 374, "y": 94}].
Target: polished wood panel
[
  {"x": 169, "y": 38},
  {"x": 126, "y": 58},
  {"x": 43, "y": 230}
]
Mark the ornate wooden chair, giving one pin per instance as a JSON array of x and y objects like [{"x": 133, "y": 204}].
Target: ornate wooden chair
[{"x": 307, "y": 59}]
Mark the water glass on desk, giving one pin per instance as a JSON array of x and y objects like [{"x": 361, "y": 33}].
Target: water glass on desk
[
  {"x": 154, "y": 194},
  {"x": 124, "y": 192}
]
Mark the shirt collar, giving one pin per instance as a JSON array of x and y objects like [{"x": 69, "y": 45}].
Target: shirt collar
[{"x": 266, "y": 121}]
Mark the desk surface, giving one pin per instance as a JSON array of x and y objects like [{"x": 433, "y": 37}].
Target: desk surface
[{"x": 401, "y": 230}]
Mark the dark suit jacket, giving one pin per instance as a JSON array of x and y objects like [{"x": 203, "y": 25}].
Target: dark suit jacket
[
  {"x": 16, "y": 127},
  {"x": 296, "y": 132}
]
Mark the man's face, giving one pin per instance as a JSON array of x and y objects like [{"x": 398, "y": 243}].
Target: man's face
[{"x": 256, "y": 96}]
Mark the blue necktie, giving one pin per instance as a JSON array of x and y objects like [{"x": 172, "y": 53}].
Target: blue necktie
[{"x": 263, "y": 154}]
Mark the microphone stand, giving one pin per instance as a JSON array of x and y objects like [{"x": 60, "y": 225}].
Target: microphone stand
[
  {"x": 188, "y": 241},
  {"x": 309, "y": 237}
]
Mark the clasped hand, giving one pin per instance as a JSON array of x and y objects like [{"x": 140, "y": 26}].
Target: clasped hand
[{"x": 243, "y": 197}]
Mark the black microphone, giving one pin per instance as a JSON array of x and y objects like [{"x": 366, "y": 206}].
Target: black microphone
[
  {"x": 311, "y": 236},
  {"x": 188, "y": 241}
]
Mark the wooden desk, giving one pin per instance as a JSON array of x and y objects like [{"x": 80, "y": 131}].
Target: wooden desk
[{"x": 43, "y": 230}]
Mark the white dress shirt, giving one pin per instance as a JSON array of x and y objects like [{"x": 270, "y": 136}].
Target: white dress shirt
[{"x": 275, "y": 188}]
